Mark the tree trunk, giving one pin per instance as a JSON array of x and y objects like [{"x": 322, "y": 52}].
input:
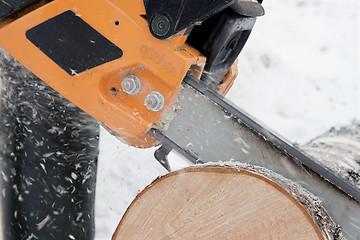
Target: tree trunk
[
  {"x": 226, "y": 202},
  {"x": 339, "y": 150}
]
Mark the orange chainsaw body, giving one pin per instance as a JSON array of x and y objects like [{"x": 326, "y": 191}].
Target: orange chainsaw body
[{"x": 160, "y": 65}]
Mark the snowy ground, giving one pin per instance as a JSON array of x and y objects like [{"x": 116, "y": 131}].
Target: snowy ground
[{"x": 299, "y": 74}]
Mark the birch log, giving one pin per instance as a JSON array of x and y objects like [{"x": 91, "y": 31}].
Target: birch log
[
  {"x": 339, "y": 150},
  {"x": 225, "y": 202}
]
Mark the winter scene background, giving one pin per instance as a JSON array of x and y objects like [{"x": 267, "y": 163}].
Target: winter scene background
[{"x": 299, "y": 74}]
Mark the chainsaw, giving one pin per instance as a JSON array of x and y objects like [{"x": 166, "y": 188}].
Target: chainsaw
[{"x": 155, "y": 73}]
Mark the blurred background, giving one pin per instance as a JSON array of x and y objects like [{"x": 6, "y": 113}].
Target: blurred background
[{"x": 299, "y": 74}]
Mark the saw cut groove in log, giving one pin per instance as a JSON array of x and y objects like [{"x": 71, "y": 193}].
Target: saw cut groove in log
[{"x": 225, "y": 202}]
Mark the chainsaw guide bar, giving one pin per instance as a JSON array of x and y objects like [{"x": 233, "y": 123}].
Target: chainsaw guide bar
[{"x": 210, "y": 129}]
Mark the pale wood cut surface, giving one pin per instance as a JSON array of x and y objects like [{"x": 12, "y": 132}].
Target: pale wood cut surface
[{"x": 216, "y": 203}]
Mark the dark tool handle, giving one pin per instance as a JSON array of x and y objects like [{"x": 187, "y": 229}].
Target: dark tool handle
[
  {"x": 10, "y": 7},
  {"x": 48, "y": 160}
]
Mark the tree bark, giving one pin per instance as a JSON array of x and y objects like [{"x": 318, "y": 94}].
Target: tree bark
[{"x": 339, "y": 150}]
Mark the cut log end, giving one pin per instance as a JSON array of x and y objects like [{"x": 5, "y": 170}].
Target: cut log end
[{"x": 225, "y": 202}]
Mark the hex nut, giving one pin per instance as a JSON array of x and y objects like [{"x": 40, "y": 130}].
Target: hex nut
[
  {"x": 131, "y": 85},
  {"x": 155, "y": 101}
]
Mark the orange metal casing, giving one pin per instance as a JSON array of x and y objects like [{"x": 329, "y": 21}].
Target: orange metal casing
[
  {"x": 160, "y": 64},
  {"x": 228, "y": 81}
]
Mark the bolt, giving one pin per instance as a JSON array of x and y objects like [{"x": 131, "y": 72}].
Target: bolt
[
  {"x": 131, "y": 85},
  {"x": 161, "y": 26},
  {"x": 154, "y": 101}
]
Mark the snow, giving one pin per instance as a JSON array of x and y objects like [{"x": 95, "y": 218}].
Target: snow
[{"x": 299, "y": 74}]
